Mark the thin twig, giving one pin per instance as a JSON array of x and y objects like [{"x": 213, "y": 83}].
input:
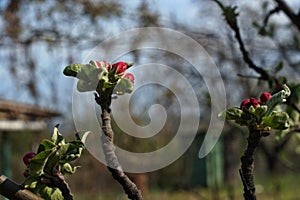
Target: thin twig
[
  {"x": 233, "y": 24},
  {"x": 249, "y": 76},
  {"x": 246, "y": 57},
  {"x": 288, "y": 11},
  {"x": 270, "y": 13}
]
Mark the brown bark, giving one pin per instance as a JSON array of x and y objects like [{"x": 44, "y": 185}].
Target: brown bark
[
  {"x": 112, "y": 162},
  {"x": 11, "y": 190},
  {"x": 246, "y": 171}
]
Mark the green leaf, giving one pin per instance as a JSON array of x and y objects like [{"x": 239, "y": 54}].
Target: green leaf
[
  {"x": 278, "y": 67},
  {"x": 45, "y": 145},
  {"x": 84, "y": 86},
  {"x": 229, "y": 13},
  {"x": 278, "y": 98},
  {"x": 57, "y": 138},
  {"x": 89, "y": 73},
  {"x": 277, "y": 120},
  {"x": 31, "y": 182},
  {"x": 38, "y": 162},
  {"x": 52, "y": 153},
  {"x": 68, "y": 169},
  {"x": 72, "y": 70},
  {"x": 260, "y": 111},
  {"x": 232, "y": 113},
  {"x": 51, "y": 193},
  {"x": 82, "y": 135},
  {"x": 70, "y": 152},
  {"x": 123, "y": 86}
]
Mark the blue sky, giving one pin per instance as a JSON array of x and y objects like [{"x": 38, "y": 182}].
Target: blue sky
[{"x": 185, "y": 11}]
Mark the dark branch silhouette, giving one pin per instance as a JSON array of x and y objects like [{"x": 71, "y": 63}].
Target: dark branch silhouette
[
  {"x": 11, "y": 190},
  {"x": 246, "y": 171},
  {"x": 295, "y": 18}
]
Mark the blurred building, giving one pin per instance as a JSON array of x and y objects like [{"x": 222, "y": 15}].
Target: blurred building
[{"x": 17, "y": 118}]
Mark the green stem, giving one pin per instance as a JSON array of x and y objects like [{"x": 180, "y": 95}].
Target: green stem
[
  {"x": 113, "y": 164},
  {"x": 247, "y": 160}
]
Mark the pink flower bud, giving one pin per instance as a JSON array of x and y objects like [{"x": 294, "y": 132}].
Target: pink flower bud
[
  {"x": 27, "y": 158},
  {"x": 129, "y": 76},
  {"x": 120, "y": 67},
  {"x": 264, "y": 97}
]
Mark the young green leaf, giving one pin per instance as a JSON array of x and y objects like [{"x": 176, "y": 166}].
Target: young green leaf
[
  {"x": 277, "y": 120},
  {"x": 46, "y": 145},
  {"x": 57, "y": 138},
  {"x": 72, "y": 70},
  {"x": 279, "y": 67},
  {"x": 38, "y": 162},
  {"x": 278, "y": 98},
  {"x": 260, "y": 111},
  {"x": 68, "y": 169},
  {"x": 123, "y": 86},
  {"x": 51, "y": 193},
  {"x": 82, "y": 135},
  {"x": 232, "y": 113}
]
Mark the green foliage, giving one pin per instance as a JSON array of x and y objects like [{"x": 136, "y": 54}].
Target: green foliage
[
  {"x": 263, "y": 117},
  {"x": 276, "y": 120},
  {"x": 52, "y": 160}
]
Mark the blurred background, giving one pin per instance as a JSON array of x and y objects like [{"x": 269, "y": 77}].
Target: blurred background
[{"x": 38, "y": 38}]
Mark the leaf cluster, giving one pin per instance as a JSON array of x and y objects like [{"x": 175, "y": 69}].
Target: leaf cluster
[{"x": 53, "y": 160}]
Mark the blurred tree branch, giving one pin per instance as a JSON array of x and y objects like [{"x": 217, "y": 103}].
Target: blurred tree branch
[
  {"x": 295, "y": 18},
  {"x": 11, "y": 190}
]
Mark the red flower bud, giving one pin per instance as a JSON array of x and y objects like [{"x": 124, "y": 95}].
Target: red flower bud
[
  {"x": 27, "y": 158},
  {"x": 120, "y": 67},
  {"x": 264, "y": 97},
  {"x": 129, "y": 76},
  {"x": 245, "y": 104},
  {"x": 254, "y": 102},
  {"x": 98, "y": 64},
  {"x": 249, "y": 102}
]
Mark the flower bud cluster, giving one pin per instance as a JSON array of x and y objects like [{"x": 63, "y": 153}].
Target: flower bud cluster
[
  {"x": 247, "y": 103},
  {"x": 119, "y": 68}
]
